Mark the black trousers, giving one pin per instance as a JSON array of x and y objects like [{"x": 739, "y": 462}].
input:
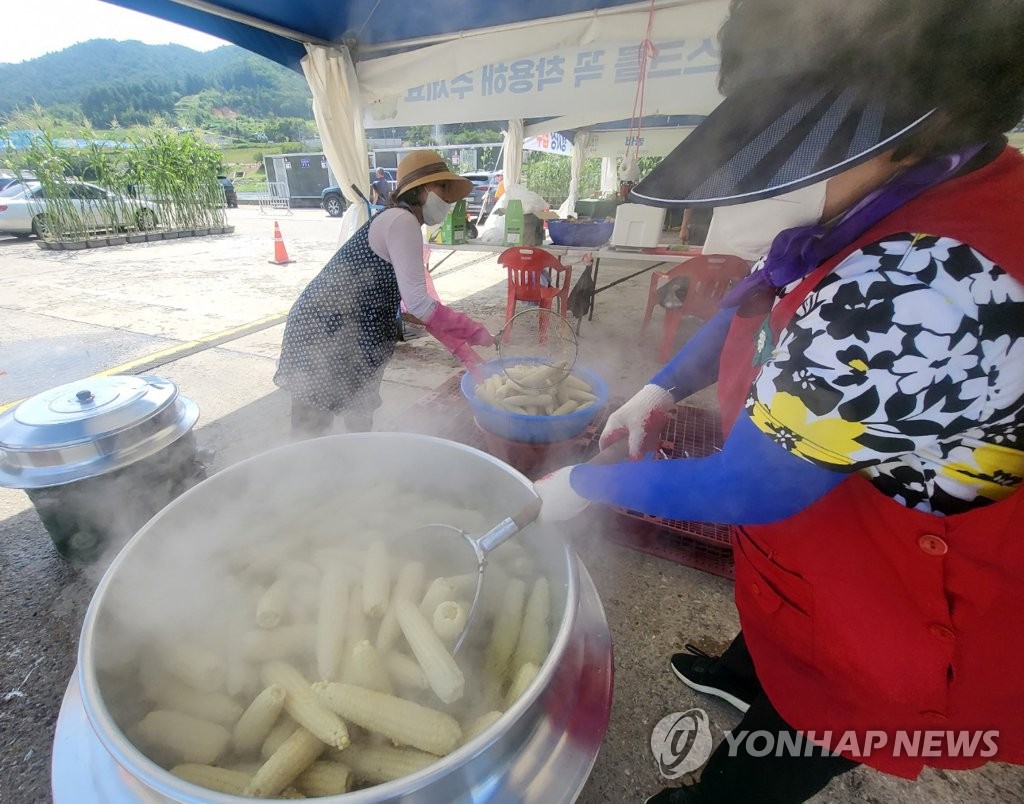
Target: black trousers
[
  {"x": 312, "y": 422},
  {"x": 766, "y": 779}
]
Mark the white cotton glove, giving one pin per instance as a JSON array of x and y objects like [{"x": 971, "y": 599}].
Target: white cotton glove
[
  {"x": 558, "y": 500},
  {"x": 641, "y": 419}
]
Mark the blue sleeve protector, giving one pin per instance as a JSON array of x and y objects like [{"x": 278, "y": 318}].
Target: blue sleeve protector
[
  {"x": 751, "y": 481},
  {"x": 695, "y": 366}
]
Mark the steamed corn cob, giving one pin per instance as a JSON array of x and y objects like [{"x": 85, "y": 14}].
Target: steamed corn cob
[
  {"x": 479, "y": 725},
  {"x": 449, "y": 621},
  {"x": 196, "y": 665},
  {"x": 376, "y": 580},
  {"x": 187, "y": 738},
  {"x": 383, "y": 763},
  {"x": 404, "y": 722},
  {"x": 223, "y": 780},
  {"x": 367, "y": 668},
  {"x": 522, "y": 679},
  {"x": 505, "y": 633},
  {"x": 303, "y": 705},
  {"x": 580, "y": 385},
  {"x": 409, "y": 586},
  {"x": 279, "y": 643},
  {"x": 273, "y": 604},
  {"x": 331, "y": 621},
  {"x": 325, "y": 778},
  {"x": 356, "y": 629},
  {"x": 405, "y": 671},
  {"x": 258, "y": 719},
  {"x": 532, "y": 646},
  {"x": 445, "y": 677},
  {"x": 218, "y": 707},
  {"x": 440, "y": 590},
  {"x": 296, "y": 754},
  {"x": 279, "y": 732},
  {"x": 242, "y": 677}
]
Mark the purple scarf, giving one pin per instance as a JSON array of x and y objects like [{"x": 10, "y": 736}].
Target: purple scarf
[{"x": 796, "y": 252}]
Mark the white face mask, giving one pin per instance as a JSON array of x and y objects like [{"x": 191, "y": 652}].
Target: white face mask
[
  {"x": 747, "y": 230},
  {"x": 435, "y": 210}
]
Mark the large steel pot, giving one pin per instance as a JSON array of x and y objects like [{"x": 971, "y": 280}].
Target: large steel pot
[
  {"x": 542, "y": 748},
  {"x": 98, "y": 457}
]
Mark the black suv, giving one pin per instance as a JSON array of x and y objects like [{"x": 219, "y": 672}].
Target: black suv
[
  {"x": 485, "y": 184},
  {"x": 334, "y": 202}
]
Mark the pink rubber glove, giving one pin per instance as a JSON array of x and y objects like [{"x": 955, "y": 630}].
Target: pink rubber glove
[
  {"x": 451, "y": 327},
  {"x": 559, "y": 501},
  {"x": 457, "y": 333},
  {"x": 470, "y": 359},
  {"x": 641, "y": 419}
]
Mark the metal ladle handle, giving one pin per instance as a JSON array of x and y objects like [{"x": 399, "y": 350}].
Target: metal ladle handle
[
  {"x": 508, "y": 527},
  {"x": 491, "y": 540},
  {"x": 511, "y": 525}
]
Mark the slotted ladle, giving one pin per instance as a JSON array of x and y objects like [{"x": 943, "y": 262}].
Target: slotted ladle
[{"x": 484, "y": 544}]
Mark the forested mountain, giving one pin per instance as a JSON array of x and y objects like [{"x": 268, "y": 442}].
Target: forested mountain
[{"x": 107, "y": 83}]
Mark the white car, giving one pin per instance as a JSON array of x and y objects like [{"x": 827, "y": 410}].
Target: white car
[{"x": 23, "y": 209}]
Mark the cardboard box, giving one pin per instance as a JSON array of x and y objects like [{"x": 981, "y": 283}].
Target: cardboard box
[{"x": 453, "y": 230}]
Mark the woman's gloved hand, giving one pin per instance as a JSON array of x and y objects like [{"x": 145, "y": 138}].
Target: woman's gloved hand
[
  {"x": 559, "y": 501},
  {"x": 640, "y": 420},
  {"x": 449, "y": 326},
  {"x": 458, "y": 333}
]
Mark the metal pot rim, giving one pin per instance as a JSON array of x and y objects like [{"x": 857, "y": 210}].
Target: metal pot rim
[
  {"x": 141, "y": 430},
  {"x": 138, "y": 764}
]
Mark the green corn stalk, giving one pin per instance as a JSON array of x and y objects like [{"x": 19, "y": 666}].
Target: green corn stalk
[{"x": 174, "y": 174}]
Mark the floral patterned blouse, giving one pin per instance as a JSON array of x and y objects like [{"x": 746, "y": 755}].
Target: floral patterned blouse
[{"x": 905, "y": 364}]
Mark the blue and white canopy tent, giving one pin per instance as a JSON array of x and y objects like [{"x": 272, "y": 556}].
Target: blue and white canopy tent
[{"x": 544, "y": 65}]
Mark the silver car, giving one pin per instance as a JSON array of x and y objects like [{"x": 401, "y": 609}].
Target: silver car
[{"x": 23, "y": 209}]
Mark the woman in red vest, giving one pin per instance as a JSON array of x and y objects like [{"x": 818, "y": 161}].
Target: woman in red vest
[{"x": 871, "y": 380}]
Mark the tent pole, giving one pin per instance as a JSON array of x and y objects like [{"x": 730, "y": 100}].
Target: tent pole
[
  {"x": 254, "y": 22},
  {"x": 366, "y": 51}
]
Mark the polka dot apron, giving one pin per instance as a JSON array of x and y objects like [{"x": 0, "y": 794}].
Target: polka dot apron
[{"x": 341, "y": 331}]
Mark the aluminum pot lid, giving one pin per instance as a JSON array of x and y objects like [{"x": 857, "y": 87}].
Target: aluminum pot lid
[{"x": 90, "y": 427}]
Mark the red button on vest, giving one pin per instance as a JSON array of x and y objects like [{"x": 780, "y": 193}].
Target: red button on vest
[{"x": 932, "y": 545}]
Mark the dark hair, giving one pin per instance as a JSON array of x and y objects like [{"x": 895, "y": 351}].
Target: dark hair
[
  {"x": 410, "y": 197},
  {"x": 966, "y": 59}
]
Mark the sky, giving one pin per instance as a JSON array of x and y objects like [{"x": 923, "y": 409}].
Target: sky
[{"x": 33, "y": 28}]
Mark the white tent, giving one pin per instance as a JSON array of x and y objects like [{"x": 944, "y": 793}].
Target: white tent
[{"x": 394, "y": 63}]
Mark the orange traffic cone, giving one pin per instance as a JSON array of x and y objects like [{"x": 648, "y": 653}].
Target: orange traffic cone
[{"x": 280, "y": 253}]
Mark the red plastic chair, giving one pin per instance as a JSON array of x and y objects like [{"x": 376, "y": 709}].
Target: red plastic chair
[
  {"x": 525, "y": 265},
  {"x": 711, "y": 276}
]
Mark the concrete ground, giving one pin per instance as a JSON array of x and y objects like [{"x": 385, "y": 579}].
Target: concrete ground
[{"x": 66, "y": 316}]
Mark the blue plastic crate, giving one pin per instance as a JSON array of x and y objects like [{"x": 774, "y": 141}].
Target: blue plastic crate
[{"x": 590, "y": 233}]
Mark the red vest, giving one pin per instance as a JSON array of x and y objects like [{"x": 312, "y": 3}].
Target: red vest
[{"x": 864, "y": 615}]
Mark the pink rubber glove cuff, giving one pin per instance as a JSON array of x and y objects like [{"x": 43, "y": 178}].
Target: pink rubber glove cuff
[{"x": 448, "y": 322}]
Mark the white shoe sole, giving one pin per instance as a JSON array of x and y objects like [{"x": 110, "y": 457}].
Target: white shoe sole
[{"x": 730, "y": 699}]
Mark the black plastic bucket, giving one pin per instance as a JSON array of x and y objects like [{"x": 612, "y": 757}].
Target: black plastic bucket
[{"x": 87, "y": 517}]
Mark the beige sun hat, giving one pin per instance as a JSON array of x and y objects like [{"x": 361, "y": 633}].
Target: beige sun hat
[{"x": 423, "y": 167}]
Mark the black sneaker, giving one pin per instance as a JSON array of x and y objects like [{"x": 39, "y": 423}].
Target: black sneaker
[{"x": 704, "y": 673}]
